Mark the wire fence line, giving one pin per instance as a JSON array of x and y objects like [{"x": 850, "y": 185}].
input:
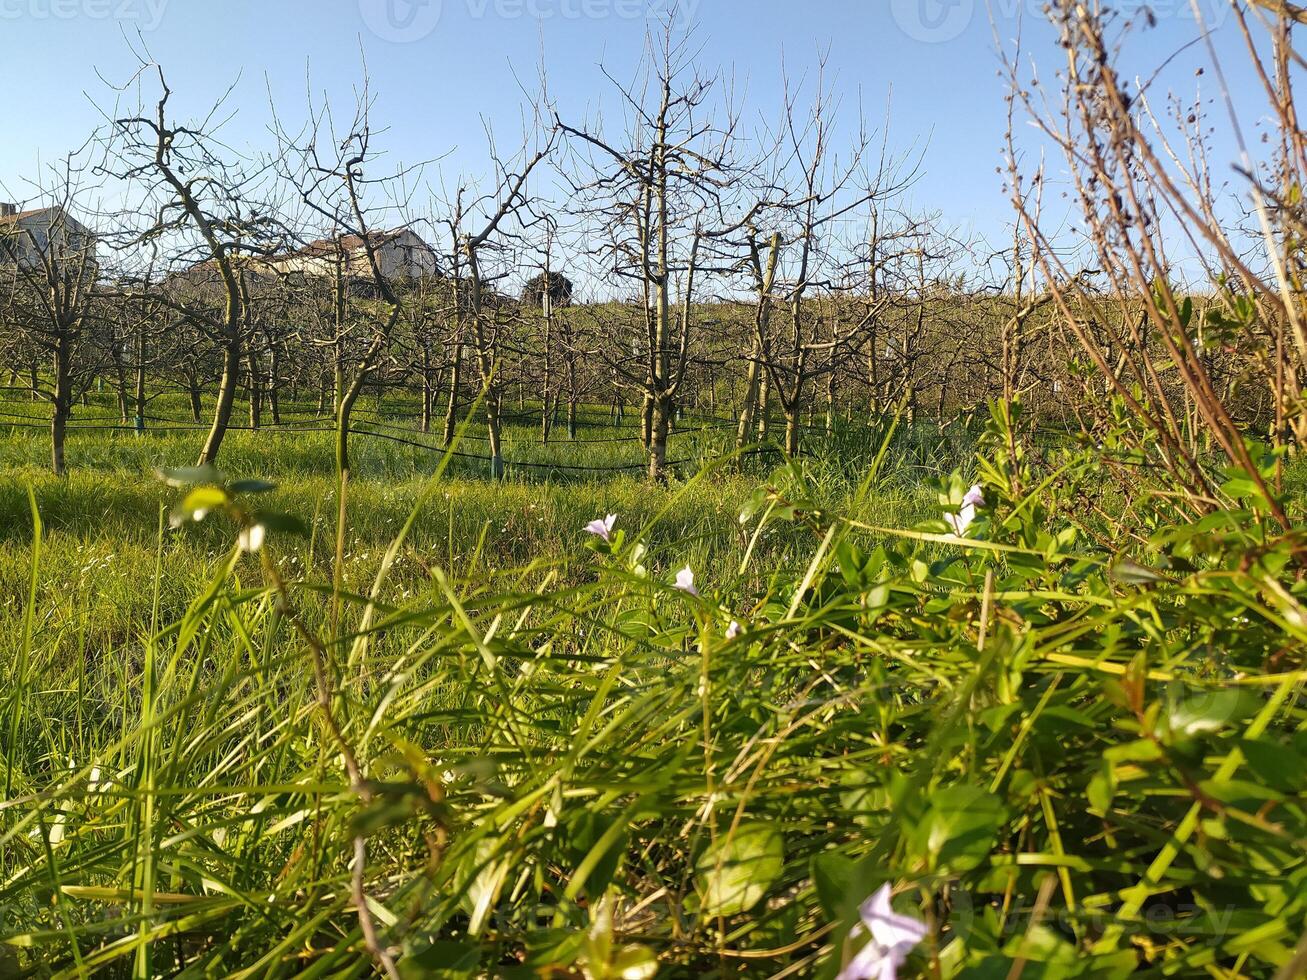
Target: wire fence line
[
  {"x": 309, "y": 425},
  {"x": 381, "y": 424}
]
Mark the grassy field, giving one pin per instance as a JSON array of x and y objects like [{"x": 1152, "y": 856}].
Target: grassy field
[
  {"x": 102, "y": 522},
  {"x": 502, "y": 747}
]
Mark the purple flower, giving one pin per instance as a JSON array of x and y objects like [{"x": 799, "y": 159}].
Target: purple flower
[
  {"x": 890, "y": 938},
  {"x": 967, "y": 512},
  {"x": 685, "y": 581},
  {"x": 734, "y": 630},
  {"x": 602, "y": 528}
]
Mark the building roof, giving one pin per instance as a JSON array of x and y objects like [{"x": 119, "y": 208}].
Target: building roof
[
  {"x": 347, "y": 244},
  {"x": 32, "y": 213},
  {"x": 11, "y": 218},
  {"x": 58, "y": 214}
]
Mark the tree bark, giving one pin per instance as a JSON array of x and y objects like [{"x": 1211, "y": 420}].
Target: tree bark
[
  {"x": 659, "y": 429},
  {"x": 63, "y": 402},
  {"x": 274, "y": 384},
  {"x": 140, "y": 380},
  {"x": 193, "y": 388},
  {"x": 455, "y": 382},
  {"x": 256, "y": 391},
  {"x": 426, "y": 390},
  {"x": 744, "y": 431},
  {"x": 231, "y": 372}
]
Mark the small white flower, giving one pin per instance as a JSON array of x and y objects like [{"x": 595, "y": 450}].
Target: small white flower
[
  {"x": 602, "y": 528},
  {"x": 685, "y": 581},
  {"x": 891, "y": 937},
  {"x": 199, "y": 514},
  {"x": 966, "y": 514},
  {"x": 733, "y": 630},
  {"x": 251, "y": 538}
]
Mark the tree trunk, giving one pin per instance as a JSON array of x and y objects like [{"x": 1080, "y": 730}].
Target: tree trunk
[
  {"x": 274, "y": 386},
  {"x": 571, "y": 398},
  {"x": 63, "y": 401},
  {"x": 744, "y": 431},
  {"x": 256, "y": 391},
  {"x": 660, "y": 427},
  {"x": 546, "y": 416},
  {"x": 647, "y": 422},
  {"x": 344, "y": 410},
  {"x": 830, "y": 402},
  {"x": 426, "y": 390},
  {"x": 140, "y": 381},
  {"x": 193, "y": 387},
  {"x": 138, "y": 397},
  {"x": 494, "y": 409},
  {"x": 231, "y": 373},
  {"x": 455, "y": 382},
  {"x": 792, "y": 424}
]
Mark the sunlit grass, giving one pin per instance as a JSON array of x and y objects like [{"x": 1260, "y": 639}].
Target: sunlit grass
[{"x": 567, "y": 767}]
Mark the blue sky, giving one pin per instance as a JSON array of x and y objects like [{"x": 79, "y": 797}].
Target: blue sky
[{"x": 441, "y": 66}]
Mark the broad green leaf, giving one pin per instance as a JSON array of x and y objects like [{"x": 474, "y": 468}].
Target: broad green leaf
[
  {"x": 734, "y": 875},
  {"x": 189, "y": 476},
  {"x": 441, "y": 960},
  {"x": 958, "y": 829}
]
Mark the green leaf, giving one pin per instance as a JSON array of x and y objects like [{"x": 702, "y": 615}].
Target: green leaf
[
  {"x": 201, "y": 500},
  {"x": 189, "y": 476},
  {"x": 1101, "y": 789},
  {"x": 1278, "y": 766},
  {"x": 1128, "y": 572},
  {"x": 282, "y": 523},
  {"x": 584, "y": 834},
  {"x": 736, "y": 873},
  {"x": 958, "y": 830},
  {"x": 633, "y": 962},
  {"x": 252, "y": 486},
  {"x": 440, "y": 960},
  {"x": 1140, "y": 750},
  {"x": 1199, "y": 712},
  {"x": 547, "y": 949}
]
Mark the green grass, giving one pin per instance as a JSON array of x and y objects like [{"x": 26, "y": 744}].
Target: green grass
[
  {"x": 102, "y": 519},
  {"x": 555, "y": 764}
]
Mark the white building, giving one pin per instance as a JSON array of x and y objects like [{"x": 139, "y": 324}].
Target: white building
[
  {"x": 400, "y": 253},
  {"x": 26, "y": 237}
]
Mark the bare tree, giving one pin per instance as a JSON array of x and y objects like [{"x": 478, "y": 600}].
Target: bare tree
[
  {"x": 48, "y": 276},
  {"x": 330, "y": 172},
  {"x": 810, "y": 256},
  {"x": 486, "y": 227},
  {"x": 648, "y": 198},
  {"x": 201, "y": 207}
]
